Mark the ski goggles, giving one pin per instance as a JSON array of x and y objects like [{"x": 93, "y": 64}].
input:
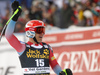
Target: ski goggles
[{"x": 38, "y": 30}]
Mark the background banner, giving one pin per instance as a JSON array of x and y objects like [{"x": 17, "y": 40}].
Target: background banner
[{"x": 77, "y": 49}]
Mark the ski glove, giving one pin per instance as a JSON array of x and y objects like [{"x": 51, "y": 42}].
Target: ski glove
[
  {"x": 15, "y": 6},
  {"x": 66, "y": 72}
]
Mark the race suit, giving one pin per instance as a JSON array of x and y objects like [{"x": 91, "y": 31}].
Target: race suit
[{"x": 35, "y": 58}]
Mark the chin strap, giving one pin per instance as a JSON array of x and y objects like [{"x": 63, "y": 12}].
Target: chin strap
[{"x": 35, "y": 40}]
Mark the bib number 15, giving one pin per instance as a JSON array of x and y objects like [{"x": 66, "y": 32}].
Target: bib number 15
[{"x": 39, "y": 62}]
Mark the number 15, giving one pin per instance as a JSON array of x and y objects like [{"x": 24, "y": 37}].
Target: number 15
[{"x": 39, "y": 62}]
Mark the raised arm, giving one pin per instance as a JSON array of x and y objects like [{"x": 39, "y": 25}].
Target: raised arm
[{"x": 13, "y": 41}]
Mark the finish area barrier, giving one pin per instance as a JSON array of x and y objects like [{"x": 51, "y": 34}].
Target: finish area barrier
[{"x": 77, "y": 49}]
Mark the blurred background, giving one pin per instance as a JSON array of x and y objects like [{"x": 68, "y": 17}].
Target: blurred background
[
  {"x": 57, "y": 14},
  {"x": 72, "y": 30}
]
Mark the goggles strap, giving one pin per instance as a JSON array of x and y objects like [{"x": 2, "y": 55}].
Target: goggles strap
[{"x": 35, "y": 40}]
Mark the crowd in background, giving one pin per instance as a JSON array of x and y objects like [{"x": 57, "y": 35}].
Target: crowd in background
[{"x": 57, "y": 14}]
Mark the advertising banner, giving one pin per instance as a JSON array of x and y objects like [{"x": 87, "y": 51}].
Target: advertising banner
[
  {"x": 9, "y": 63},
  {"x": 81, "y": 59},
  {"x": 77, "y": 49},
  {"x": 73, "y": 37}
]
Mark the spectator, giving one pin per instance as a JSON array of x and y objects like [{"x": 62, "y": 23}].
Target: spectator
[
  {"x": 50, "y": 27},
  {"x": 66, "y": 14},
  {"x": 19, "y": 27},
  {"x": 70, "y": 14},
  {"x": 25, "y": 15},
  {"x": 35, "y": 11},
  {"x": 89, "y": 17},
  {"x": 55, "y": 12}
]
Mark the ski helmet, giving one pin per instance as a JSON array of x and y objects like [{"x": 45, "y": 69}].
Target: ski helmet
[{"x": 34, "y": 26}]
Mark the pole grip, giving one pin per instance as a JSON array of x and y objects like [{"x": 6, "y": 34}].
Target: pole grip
[{"x": 13, "y": 15}]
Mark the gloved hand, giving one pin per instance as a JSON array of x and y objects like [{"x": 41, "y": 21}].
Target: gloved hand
[
  {"x": 15, "y": 6},
  {"x": 66, "y": 72}
]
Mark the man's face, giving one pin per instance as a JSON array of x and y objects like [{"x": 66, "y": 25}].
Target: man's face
[
  {"x": 39, "y": 33},
  {"x": 39, "y": 37}
]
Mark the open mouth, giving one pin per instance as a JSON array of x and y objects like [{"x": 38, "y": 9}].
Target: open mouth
[{"x": 40, "y": 36}]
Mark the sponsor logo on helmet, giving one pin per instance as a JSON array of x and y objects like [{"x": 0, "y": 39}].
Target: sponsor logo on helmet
[{"x": 31, "y": 29}]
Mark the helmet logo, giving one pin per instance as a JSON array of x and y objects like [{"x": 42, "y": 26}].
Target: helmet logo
[
  {"x": 30, "y": 24},
  {"x": 31, "y": 29}
]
